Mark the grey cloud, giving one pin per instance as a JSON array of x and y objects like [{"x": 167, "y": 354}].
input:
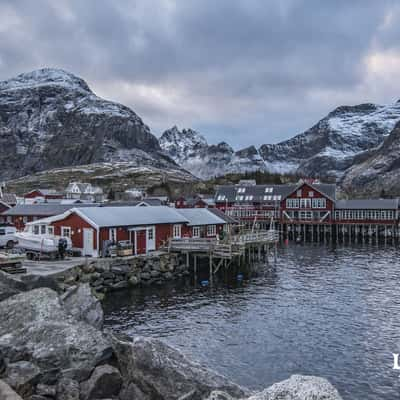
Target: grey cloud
[{"x": 238, "y": 67}]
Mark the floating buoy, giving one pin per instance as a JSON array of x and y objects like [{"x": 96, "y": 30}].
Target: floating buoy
[
  {"x": 204, "y": 283},
  {"x": 239, "y": 277}
]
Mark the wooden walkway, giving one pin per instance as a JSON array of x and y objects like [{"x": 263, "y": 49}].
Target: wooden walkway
[{"x": 241, "y": 248}]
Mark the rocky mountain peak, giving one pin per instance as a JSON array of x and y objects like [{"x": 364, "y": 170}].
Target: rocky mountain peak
[{"x": 45, "y": 77}]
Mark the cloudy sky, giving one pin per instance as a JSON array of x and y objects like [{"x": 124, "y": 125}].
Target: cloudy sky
[{"x": 243, "y": 71}]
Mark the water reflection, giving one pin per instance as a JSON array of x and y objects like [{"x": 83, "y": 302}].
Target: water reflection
[{"x": 332, "y": 312}]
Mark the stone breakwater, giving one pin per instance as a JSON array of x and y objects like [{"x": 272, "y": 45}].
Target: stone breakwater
[
  {"x": 110, "y": 274},
  {"x": 53, "y": 347}
]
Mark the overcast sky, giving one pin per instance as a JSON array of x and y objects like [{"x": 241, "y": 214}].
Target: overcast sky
[{"x": 242, "y": 71}]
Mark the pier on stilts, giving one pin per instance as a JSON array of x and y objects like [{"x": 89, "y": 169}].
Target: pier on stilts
[{"x": 237, "y": 250}]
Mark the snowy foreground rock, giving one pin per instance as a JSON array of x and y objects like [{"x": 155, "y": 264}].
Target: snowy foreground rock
[{"x": 51, "y": 348}]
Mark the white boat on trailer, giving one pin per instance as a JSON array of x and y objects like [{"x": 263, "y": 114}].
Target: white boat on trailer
[{"x": 36, "y": 240}]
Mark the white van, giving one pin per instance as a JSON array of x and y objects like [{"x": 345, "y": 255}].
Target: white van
[{"x": 7, "y": 236}]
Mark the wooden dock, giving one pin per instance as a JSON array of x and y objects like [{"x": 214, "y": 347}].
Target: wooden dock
[{"x": 244, "y": 247}]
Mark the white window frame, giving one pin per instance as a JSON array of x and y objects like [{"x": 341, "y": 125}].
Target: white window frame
[
  {"x": 211, "y": 230},
  {"x": 67, "y": 228},
  {"x": 50, "y": 230},
  {"x": 177, "y": 231},
  {"x": 196, "y": 231}
]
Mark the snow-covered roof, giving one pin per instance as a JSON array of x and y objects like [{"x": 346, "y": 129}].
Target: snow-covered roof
[
  {"x": 200, "y": 216},
  {"x": 367, "y": 204},
  {"x": 129, "y": 216}
]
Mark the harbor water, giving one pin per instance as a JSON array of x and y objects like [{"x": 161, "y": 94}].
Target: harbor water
[{"x": 326, "y": 311}]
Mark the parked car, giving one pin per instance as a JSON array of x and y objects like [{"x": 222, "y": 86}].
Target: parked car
[{"x": 7, "y": 236}]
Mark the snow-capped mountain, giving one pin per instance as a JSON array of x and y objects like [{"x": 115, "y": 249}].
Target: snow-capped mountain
[
  {"x": 329, "y": 148},
  {"x": 191, "y": 151},
  {"x": 50, "y": 118},
  {"x": 377, "y": 170}
]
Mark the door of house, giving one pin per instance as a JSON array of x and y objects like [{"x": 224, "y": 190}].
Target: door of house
[
  {"x": 151, "y": 238},
  {"x": 141, "y": 241},
  {"x": 88, "y": 241}
]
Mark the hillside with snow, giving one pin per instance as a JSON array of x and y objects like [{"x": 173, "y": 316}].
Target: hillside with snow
[
  {"x": 327, "y": 149},
  {"x": 191, "y": 151},
  {"x": 50, "y": 118}
]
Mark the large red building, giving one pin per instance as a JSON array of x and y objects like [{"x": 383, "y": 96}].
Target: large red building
[{"x": 308, "y": 209}]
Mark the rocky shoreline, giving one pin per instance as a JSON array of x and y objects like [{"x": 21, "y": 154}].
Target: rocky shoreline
[{"x": 53, "y": 347}]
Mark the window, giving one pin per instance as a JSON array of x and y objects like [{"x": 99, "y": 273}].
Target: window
[
  {"x": 269, "y": 190},
  {"x": 66, "y": 231},
  {"x": 241, "y": 190},
  {"x": 319, "y": 203},
  {"x": 221, "y": 197},
  {"x": 239, "y": 198},
  {"x": 150, "y": 234},
  {"x": 211, "y": 230},
  {"x": 305, "y": 203},
  {"x": 268, "y": 197},
  {"x": 276, "y": 197},
  {"x": 196, "y": 231},
  {"x": 50, "y": 230},
  {"x": 176, "y": 232},
  {"x": 250, "y": 197},
  {"x": 310, "y": 193},
  {"x": 292, "y": 203},
  {"x": 298, "y": 193},
  {"x": 2, "y": 232},
  {"x": 42, "y": 229},
  {"x": 36, "y": 229}
]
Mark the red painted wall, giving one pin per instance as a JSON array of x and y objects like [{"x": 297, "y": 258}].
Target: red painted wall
[
  {"x": 187, "y": 231},
  {"x": 76, "y": 223}
]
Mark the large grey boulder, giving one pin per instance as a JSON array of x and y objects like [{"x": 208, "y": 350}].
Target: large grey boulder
[
  {"x": 80, "y": 302},
  {"x": 153, "y": 370},
  {"x": 6, "y": 393},
  {"x": 105, "y": 382},
  {"x": 299, "y": 387},
  {"x": 6, "y": 291},
  {"x": 35, "y": 327}
]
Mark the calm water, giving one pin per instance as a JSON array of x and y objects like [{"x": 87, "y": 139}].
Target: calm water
[{"x": 322, "y": 311}]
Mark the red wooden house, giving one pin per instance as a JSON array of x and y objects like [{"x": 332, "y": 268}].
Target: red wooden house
[
  {"x": 146, "y": 228},
  {"x": 46, "y": 194}
]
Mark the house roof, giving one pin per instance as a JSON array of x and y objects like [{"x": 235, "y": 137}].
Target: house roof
[
  {"x": 200, "y": 216},
  {"x": 367, "y": 204},
  {"x": 129, "y": 216},
  {"x": 257, "y": 191},
  {"x": 43, "y": 209},
  {"x": 263, "y": 193},
  {"x": 46, "y": 192},
  {"x": 228, "y": 219},
  {"x": 9, "y": 198}
]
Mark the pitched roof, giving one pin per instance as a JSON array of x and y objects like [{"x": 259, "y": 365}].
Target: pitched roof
[
  {"x": 257, "y": 191},
  {"x": 46, "y": 192},
  {"x": 228, "y": 219},
  {"x": 43, "y": 209},
  {"x": 200, "y": 216},
  {"x": 263, "y": 193},
  {"x": 367, "y": 204},
  {"x": 129, "y": 216}
]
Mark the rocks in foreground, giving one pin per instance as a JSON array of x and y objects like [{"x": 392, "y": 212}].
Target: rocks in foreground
[
  {"x": 299, "y": 387},
  {"x": 51, "y": 349},
  {"x": 154, "y": 370}
]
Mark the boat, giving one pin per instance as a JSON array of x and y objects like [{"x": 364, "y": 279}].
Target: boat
[{"x": 40, "y": 241}]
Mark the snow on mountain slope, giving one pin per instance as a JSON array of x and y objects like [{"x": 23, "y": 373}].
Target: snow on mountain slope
[
  {"x": 50, "y": 118},
  {"x": 377, "y": 170},
  {"x": 191, "y": 151},
  {"x": 330, "y": 146}
]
